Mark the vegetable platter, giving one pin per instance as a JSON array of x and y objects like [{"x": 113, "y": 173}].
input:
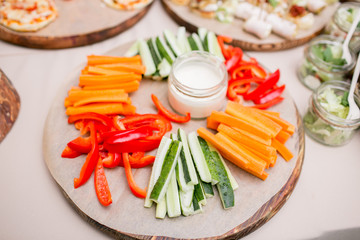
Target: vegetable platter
[
  {"x": 78, "y": 23},
  {"x": 256, "y": 201},
  {"x": 185, "y": 17}
]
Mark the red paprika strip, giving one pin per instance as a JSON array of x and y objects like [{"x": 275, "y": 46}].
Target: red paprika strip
[
  {"x": 70, "y": 153},
  {"x": 129, "y": 135},
  {"x": 140, "y": 163},
  {"x": 169, "y": 115},
  {"x": 91, "y": 159},
  {"x": 112, "y": 160},
  {"x": 267, "y": 84},
  {"x": 137, "y": 191},
  {"x": 81, "y": 144},
  {"x": 240, "y": 87},
  {"x": 101, "y": 185},
  {"x": 133, "y": 146},
  {"x": 234, "y": 60},
  {"x": 270, "y": 95},
  {"x": 91, "y": 116},
  {"x": 269, "y": 104}
]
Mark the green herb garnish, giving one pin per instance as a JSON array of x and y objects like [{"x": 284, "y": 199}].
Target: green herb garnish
[{"x": 344, "y": 99}]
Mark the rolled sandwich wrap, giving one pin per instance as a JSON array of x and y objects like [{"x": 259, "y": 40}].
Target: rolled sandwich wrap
[
  {"x": 282, "y": 27},
  {"x": 246, "y": 10},
  {"x": 258, "y": 27}
]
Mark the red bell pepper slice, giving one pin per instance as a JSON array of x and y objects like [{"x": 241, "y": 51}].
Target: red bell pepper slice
[
  {"x": 240, "y": 86},
  {"x": 81, "y": 144},
  {"x": 225, "y": 50},
  {"x": 169, "y": 115},
  {"x": 112, "y": 160},
  {"x": 255, "y": 70},
  {"x": 70, "y": 153},
  {"x": 267, "y": 84},
  {"x": 269, "y": 103},
  {"x": 140, "y": 163},
  {"x": 101, "y": 185},
  {"x": 270, "y": 95},
  {"x": 144, "y": 119},
  {"x": 139, "y": 145},
  {"x": 136, "y": 156},
  {"x": 91, "y": 116},
  {"x": 128, "y": 135},
  {"x": 234, "y": 60},
  {"x": 137, "y": 191},
  {"x": 91, "y": 159}
]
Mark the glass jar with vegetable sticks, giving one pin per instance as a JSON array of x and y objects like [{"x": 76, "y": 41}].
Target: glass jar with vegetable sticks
[
  {"x": 341, "y": 22},
  {"x": 325, "y": 120},
  {"x": 323, "y": 62}
]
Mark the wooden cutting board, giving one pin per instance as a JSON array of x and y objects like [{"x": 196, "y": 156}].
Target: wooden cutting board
[
  {"x": 9, "y": 105},
  {"x": 256, "y": 201},
  {"x": 79, "y": 23},
  {"x": 184, "y": 17}
]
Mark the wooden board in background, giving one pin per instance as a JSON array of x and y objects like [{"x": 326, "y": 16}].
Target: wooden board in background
[
  {"x": 9, "y": 105},
  {"x": 184, "y": 17},
  {"x": 256, "y": 201},
  {"x": 79, "y": 23}
]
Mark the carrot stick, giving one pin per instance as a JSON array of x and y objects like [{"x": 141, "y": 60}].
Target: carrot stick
[
  {"x": 256, "y": 164},
  {"x": 252, "y": 116},
  {"x": 102, "y": 99},
  {"x": 225, "y": 150},
  {"x": 283, "y": 123},
  {"x": 283, "y": 136},
  {"x": 240, "y": 123},
  {"x": 272, "y": 112},
  {"x": 282, "y": 149},
  {"x": 211, "y": 123},
  {"x": 244, "y": 140},
  {"x": 85, "y": 80},
  {"x": 103, "y": 108},
  {"x": 100, "y": 59},
  {"x": 254, "y": 137},
  {"x": 139, "y": 69},
  {"x": 75, "y": 95},
  {"x": 128, "y": 87},
  {"x": 102, "y": 71},
  {"x": 268, "y": 159}
]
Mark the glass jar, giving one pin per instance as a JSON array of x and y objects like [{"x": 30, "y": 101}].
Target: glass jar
[
  {"x": 314, "y": 70},
  {"x": 197, "y": 84},
  {"x": 341, "y": 22},
  {"x": 325, "y": 127}
]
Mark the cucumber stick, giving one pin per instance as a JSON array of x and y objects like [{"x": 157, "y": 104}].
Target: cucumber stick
[
  {"x": 133, "y": 50},
  {"x": 224, "y": 187},
  {"x": 156, "y": 169},
  {"x": 198, "y": 41},
  {"x": 209, "y": 161},
  {"x": 199, "y": 194},
  {"x": 154, "y": 54},
  {"x": 202, "y": 33},
  {"x": 198, "y": 157},
  {"x": 193, "y": 44},
  {"x": 182, "y": 40},
  {"x": 146, "y": 58},
  {"x": 172, "y": 198},
  {"x": 186, "y": 204},
  {"x": 186, "y": 158},
  {"x": 167, "y": 169},
  {"x": 212, "y": 45},
  {"x": 164, "y": 50},
  {"x": 233, "y": 181},
  {"x": 196, "y": 205},
  {"x": 208, "y": 189},
  {"x": 172, "y": 43},
  {"x": 161, "y": 209},
  {"x": 164, "y": 68}
]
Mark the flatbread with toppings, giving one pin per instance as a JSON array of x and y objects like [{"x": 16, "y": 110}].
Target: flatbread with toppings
[
  {"x": 127, "y": 4},
  {"x": 27, "y": 15}
]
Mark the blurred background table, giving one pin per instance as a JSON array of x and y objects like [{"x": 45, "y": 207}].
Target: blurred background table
[{"x": 325, "y": 200}]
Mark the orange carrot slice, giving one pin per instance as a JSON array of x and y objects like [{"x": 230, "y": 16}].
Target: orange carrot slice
[
  {"x": 128, "y": 87},
  {"x": 101, "y": 59},
  {"x": 139, "y": 69},
  {"x": 282, "y": 149},
  {"x": 283, "y": 136},
  {"x": 85, "y": 80},
  {"x": 103, "y": 108}
]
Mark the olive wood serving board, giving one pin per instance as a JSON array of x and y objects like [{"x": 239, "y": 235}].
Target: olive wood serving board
[
  {"x": 79, "y": 23},
  {"x": 9, "y": 105},
  {"x": 185, "y": 17},
  {"x": 256, "y": 201}
]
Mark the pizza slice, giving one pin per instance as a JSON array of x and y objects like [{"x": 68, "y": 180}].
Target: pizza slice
[{"x": 127, "y": 4}]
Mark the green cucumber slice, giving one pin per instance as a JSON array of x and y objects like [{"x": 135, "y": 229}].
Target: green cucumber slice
[
  {"x": 168, "y": 167},
  {"x": 133, "y": 50},
  {"x": 172, "y": 42},
  {"x": 209, "y": 161},
  {"x": 160, "y": 211},
  {"x": 197, "y": 206},
  {"x": 192, "y": 44},
  {"x": 208, "y": 189},
  {"x": 202, "y": 33},
  {"x": 199, "y": 194},
  {"x": 198, "y": 41},
  {"x": 146, "y": 58},
  {"x": 199, "y": 158},
  {"x": 172, "y": 198},
  {"x": 164, "y": 50},
  {"x": 186, "y": 158},
  {"x": 182, "y": 40},
  {"x": 186, "y": 204},
  {"x": 212, "y": 45},
  {"x": 164, "y": 68},
  {"x": 224, "y": 187},
  {"x": 156, "y": 169},
  {"x": 155, "y": 56}
]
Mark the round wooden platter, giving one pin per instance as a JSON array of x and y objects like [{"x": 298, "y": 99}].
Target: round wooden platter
[
  {"x": 184, "y": 17},
  {"x": 9, "y": 105},
  {"x": 256, "y": 201},
  {"x": 79, "y": 23}
]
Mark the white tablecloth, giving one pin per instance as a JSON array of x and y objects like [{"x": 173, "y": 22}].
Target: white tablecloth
[{"x": 326, "y": 198}]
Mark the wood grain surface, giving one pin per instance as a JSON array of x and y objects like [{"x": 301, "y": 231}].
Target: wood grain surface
[
  {"x": 184, "y": 17},
  {"x": 79, "y": 23},
  {"x": 256, "y": 201},
  {"x": 9, "y": 105}
]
